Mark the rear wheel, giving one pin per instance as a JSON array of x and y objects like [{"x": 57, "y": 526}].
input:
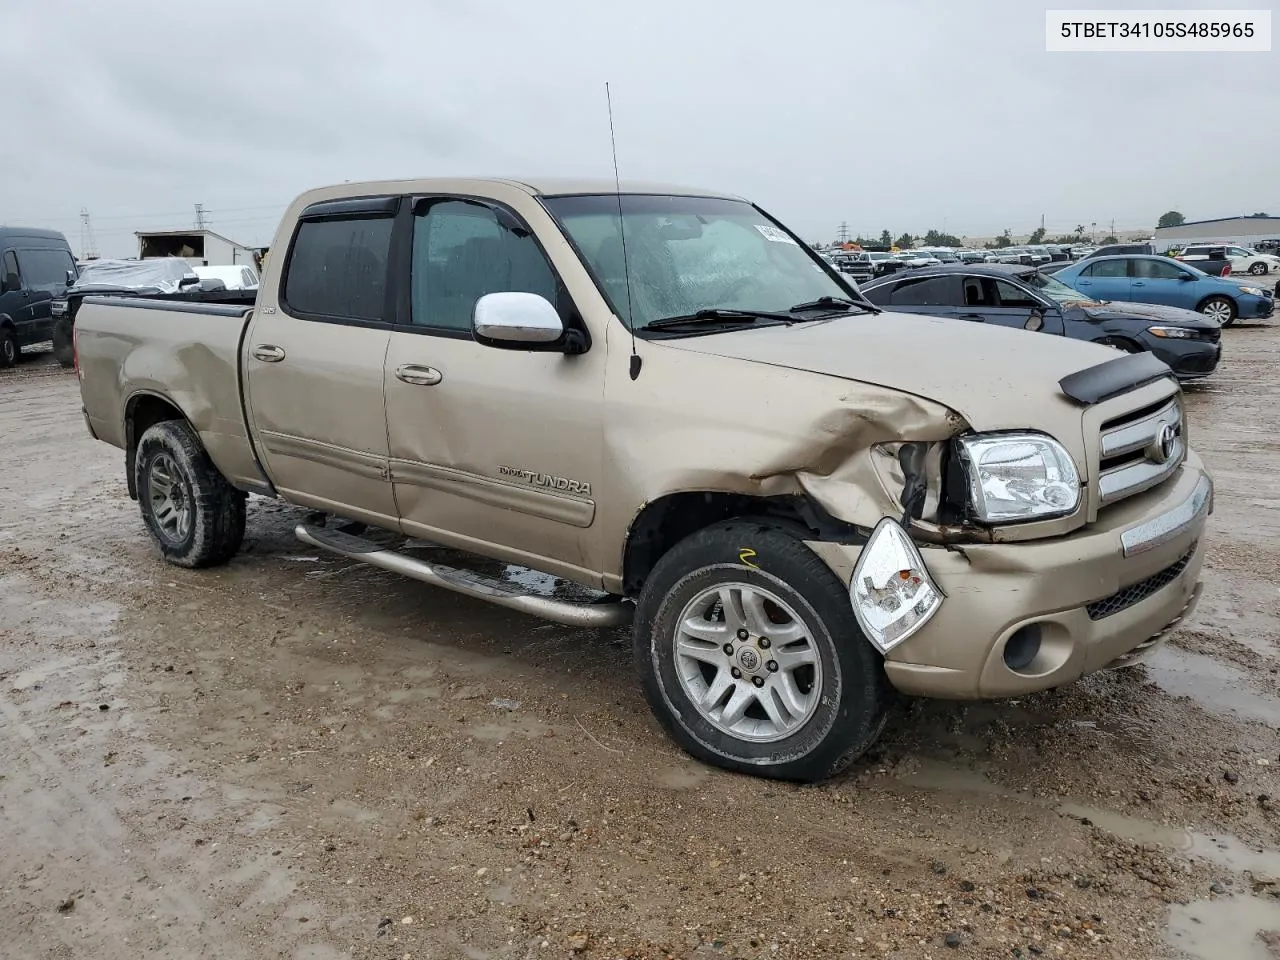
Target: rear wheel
[
  {"x": 750, "y": 655},
  {"x": 1222, "y": 309},
  {"x": 8, "y": 347},
  {"x": 1258, "y": 269},
  {"x": 195, "y": 516}
]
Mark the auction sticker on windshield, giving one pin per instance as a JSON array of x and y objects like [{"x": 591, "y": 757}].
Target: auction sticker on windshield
[{"x": 773, "y": 233}]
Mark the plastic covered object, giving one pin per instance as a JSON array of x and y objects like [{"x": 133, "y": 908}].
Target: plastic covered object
[{"x": 161, "y": 274}]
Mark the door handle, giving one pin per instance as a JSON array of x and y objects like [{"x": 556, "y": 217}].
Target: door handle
[
  {"x": 418, "y": 375},
  {"x": 1139, "y": 283},
  {"x": 268, "y": 353},
  {"x": 973, "y": 317}
]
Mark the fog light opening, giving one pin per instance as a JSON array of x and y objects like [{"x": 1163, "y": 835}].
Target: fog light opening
[{"x": 1022, "y": 648}]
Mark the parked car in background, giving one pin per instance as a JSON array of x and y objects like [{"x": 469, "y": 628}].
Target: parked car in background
[
  {"x": 1118, "y": 249},
  {"x": 35, "y": 267},
  {"x": 1026, "y": 299},
  {"x": 1162, "y": 280},
  {"x": 1241, "y": 259},
  {"x": 975, "y": 256},
  {"x": 1013, "y": 255},
  {"x": 923, "y": 512},
  {"x": 152, "y": 277},
  {"x": 915, "y": 259},
  {"x": 941, "y": 255},
  {"x": 239, "y": 277},
  {"x": 1079, "y": 253}
]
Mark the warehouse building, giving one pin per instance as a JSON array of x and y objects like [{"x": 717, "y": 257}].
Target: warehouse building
[
  {"x": 200, "y": 248},
  {"x": 1242, "y": 231}
]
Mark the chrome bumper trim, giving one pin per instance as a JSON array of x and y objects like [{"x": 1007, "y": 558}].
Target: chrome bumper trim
[{"x": 1168, "y": 526}]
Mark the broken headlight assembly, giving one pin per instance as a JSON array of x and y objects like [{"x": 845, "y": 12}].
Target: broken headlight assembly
[
  {"x": 1013, "y": 477},
  {"x": 893, "y": 595}
]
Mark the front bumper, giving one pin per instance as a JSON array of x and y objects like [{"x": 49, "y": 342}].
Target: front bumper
[
  {"x": 1256, "y": 308},
  {"x": 1103, "y": 597},
  {"x": 1188, "y": 359}
]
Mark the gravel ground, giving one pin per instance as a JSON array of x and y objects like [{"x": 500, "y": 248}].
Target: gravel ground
[{"x": 295, "y": 756}]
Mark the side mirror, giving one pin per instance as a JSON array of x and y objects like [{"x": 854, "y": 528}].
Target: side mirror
[
  {"x": 1185, "y": 277},
  {"x": 517, "y": 321},
  {"x": 192, "y": 281},
  {"x": 10, "y": 283},
  {"x": 71, "y": 277}
]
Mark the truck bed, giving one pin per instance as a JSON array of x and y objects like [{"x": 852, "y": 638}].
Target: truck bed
[{"x": 134, "y": 350}]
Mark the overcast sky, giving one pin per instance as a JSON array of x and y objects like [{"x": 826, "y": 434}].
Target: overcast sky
[{"x": 903, "y": 114}]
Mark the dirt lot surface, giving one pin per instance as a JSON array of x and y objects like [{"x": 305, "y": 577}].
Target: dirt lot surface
[{"x": 294, "y": 756}]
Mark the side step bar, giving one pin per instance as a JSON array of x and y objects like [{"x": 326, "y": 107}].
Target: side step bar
[{"x": 610, "y": 614}]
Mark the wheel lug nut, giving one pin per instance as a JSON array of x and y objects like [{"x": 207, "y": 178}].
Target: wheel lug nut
[
  {"x": 736, "y": 673},
  {"x": 764, "y": 643},
  {"x": 728, "y": 649},
  {"x": 742, "y": 634},
  {"x": 758, "y": 681},
  {"x": 773, "y": 666}
]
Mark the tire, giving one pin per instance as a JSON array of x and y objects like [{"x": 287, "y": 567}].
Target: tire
[
  {"x": 193, "y": 514},
  {"x": 9, "y": 350},
  {"x": 838, "y": 691},
  {"x": 1222, "y": 309},
  {"x": 63, "y": 348},
  {"x": 1121, "y": 343},
  {"x": 1259, "y": 269}
]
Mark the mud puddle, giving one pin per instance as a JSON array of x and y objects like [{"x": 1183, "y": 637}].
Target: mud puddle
[
  {"x": 1228, "y": 928},
  {"x": 1216, "y": 686}
]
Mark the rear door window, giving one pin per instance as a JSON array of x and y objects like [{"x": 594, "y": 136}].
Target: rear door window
[
  {"x": 927, "y": 292},
  {"x": 338, "y": 269}
]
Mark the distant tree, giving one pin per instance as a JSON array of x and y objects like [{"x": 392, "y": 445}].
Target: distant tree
[
  {"x": 1066, "y": 239},
  {"x": 935, "y": 239},
  {"x": 1259, "y": 214},
  {"x": 1079, "y": 229},
  {"x": 1171, "y": 219},
  {"x": 886, "y": 238},
  {"x": 1004, "y": 240},
  {"x": 904, "y": 241},
  {"x": 1037, "y": 235},
  {"x": 1110, "y": 238}
]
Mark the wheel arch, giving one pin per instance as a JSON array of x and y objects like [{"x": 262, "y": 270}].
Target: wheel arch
[
  {"x": 663, "y": 522},
  {"x": 142, "y": 411}
]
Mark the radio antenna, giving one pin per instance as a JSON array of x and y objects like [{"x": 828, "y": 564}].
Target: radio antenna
[{"x": 622, "y": 232}]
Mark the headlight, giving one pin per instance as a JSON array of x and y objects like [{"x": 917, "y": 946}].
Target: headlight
[
  {"x": 893, "y": 595},
  {"x": 58, "y": 308},
  {"x": 1019, "y": 476},
  {"x": 1173, "y": 333},
  {"x": 1253, "y": 291}
]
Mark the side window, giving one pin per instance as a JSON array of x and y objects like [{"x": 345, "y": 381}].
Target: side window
[
  {"x": 1156, "y": 270},
  {"x": 926, "y": 292},
  {"x": 1239, "y": 252},
  {"x": 1107, "y": 268},
  {"x": 1011, "y": 296},
  {"x": 11, "y": 267},
  {"x": 338, "y": 269},
  {"x": 45, "y": 270},
  {"x": 979, "y": 292},
  {"x": 462, "y": 251}
]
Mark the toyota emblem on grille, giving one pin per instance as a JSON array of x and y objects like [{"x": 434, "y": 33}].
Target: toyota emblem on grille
[{"x": 1165, "y": 444}]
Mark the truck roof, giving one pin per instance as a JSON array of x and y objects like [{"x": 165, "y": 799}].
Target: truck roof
[{"x": 535, "y": 186}]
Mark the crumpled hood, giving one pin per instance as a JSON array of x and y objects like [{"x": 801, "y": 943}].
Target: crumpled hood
[
  {"x": 995, "y": 377},
  {"x": 1154, "y": 312}
]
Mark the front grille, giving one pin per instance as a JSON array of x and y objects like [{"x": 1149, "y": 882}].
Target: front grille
[
  {"x": 1140, "y": 450},
  {"x": 1137, "y": 592}
]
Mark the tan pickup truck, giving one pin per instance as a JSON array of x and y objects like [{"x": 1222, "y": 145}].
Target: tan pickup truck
[{"x": 801, "y": 501}]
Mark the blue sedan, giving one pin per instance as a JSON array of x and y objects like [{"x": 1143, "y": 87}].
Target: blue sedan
[{"x": 1148, "y": 279}]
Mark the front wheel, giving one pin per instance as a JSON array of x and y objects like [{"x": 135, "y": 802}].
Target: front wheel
[
  {"x": 1221, "y": 309},
  {"x": 1258, "y": 269},
  {"x": 63, "y": 350},
  {"x": 195, "y": 516},
  {"x": 750, "y": 655}
]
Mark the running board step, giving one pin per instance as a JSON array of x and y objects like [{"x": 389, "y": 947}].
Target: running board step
[{"x": 468, "y": 582}]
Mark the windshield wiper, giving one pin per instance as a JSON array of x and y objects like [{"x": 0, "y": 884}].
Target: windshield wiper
[
  {"x": 834, "y": 303},
  {"x": 718, "y": 316}
]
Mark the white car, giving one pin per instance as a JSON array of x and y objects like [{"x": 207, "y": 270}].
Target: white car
[
  {"x": 239, "y": 277},
  {"x": 1244, "y": 260},
  {"x": 917, "y": 258}
]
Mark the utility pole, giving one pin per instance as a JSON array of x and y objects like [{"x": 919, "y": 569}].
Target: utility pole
[
  {"x": 844, "y": 232},
  {"x": 1113, "y": 227},
  {"x": 88, "y": 243},
  {"x": 200, "y": 221}
]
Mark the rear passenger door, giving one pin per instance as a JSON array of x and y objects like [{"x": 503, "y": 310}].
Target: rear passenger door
[
  {"x": 1105, "y": 279},
  {"x": 313, "y": 360}
]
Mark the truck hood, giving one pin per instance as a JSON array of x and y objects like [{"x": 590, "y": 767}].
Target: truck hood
[{"x": 994, "y": 377}]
